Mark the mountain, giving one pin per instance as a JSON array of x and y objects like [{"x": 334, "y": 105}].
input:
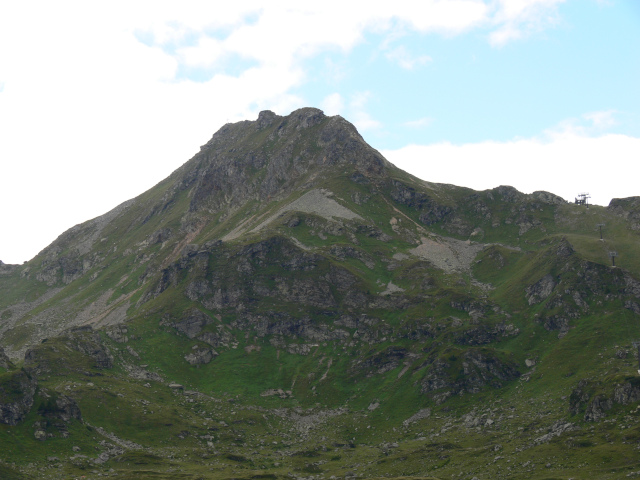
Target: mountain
[{"x": 289, "y": 303}]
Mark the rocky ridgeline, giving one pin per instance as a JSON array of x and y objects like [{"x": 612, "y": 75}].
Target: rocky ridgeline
[{"x": 7, "y": 268}]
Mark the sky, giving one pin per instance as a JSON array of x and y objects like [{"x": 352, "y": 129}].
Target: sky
[{"x": 99, "y": 101}]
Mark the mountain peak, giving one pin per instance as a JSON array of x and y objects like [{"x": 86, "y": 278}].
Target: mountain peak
[
  {"x": 304, "y": 117},
  {"x": 269, "y": 156}
]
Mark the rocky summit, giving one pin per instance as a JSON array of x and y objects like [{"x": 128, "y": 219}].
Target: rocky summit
[{"x": 289, "y": 304}]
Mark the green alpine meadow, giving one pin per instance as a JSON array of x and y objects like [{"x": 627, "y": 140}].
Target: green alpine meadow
[{"x": 289, "y": 304}]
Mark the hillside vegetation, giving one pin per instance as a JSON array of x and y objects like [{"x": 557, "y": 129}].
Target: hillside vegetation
[{"x": 288, "y": 303}]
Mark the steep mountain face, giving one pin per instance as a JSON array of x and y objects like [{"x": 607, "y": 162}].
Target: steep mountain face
[
  {"x": 270, "y": 158},
  {"x": 288, "y": 284}
]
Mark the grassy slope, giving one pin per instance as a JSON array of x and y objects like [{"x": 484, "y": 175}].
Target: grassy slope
[{"x": 441, "y": 443}]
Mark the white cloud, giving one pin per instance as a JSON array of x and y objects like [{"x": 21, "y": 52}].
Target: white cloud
[
  {"x": 363, "y": 121},
  {"x": 419, "y": 123},
  {"x": 204, "y": 54},
  {"x": 359, "y": 100},
  {"x": 333, "y": 104},
  {"x": 565, "y": 164},
  {"x": 334, "y": 72},
  {"x": 602, "y": 120},
  {"x": 354, "y": 109},
  {"x": 589, "y": 124},
  {"x": 515, "y": 19},
  {"x": 358, "y": 114},
  {"x": 406, "y": 60},
  {"x": 446, "y": 16}
]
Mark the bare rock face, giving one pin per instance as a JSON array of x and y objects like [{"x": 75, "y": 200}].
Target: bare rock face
[
  {"x": 57, "y": 412},
  {"x": 556, "y": 430},
  {"x": 540, "y": 290},
  {"x": 548, "y": 198},
  {"x": 56, "y": 268},
  {"x": 89, "y": 343},
  {"x": 4, "y": 361},
  {"x": 597, "y": 408},
  {"x": 626, "y": 393},
  {"x": 118, "y": 333},
  {"x": 192, "y": 323},
  {"x": 81, "y": 339},
  {"x": 431, "y": 211},
  {"x": 478, "y": 369},
  {"x": 201, "y": 356},
  {"x": 7, "y": 268},
  {"x": 16, "y": 396},
  {"x": 221, "y": 338},
  {"x": 225, "y": 167},
  {"x": 589, "y": 398},
  {"x": 628, "y": 208},
  {"x": 68, "y": 408},
  {"x": 633, "y": 306},
  {"x": 61, "y": 407}
]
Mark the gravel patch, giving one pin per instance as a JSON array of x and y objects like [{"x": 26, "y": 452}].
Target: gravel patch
[
  {"x": 391, "y": 288},
  {"x": 316, "y": 201},
  {"x": 448, "y": 254}
]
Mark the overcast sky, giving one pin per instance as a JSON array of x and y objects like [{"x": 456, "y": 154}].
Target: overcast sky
[{"x": 99, "y": 101}]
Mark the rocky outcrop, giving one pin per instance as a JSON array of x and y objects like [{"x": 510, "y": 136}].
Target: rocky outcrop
[
  {"x": 420, "y": 415},
  {"x": 627, "y": 208},
  {"x": 60, "y": 407},
  {"x": 88, "y": 342},
  {"x": 44, "y": 358},
  {"x": 57, "y": 412},
  {"x": 483, "y": 334},
  {"x": 594, "y": 399},
  {"x": 556, "y": 430},
  {"x": 431, "y": 212},
  {"x": 7, "y": 268},
  {"x": 597, "y": 408},
  {"x": 118, "y": 333},
  {"x": 5, "y": 363},
  {"x": 627, "y": 393},
  {"x": 469, "y": 373},
  {"x": 16, "y": 396},
  {"x": 540, "y": 290},
  {"x": 548, "y": 198},
  {"x": 192, "y": 322},
  {"x": 342, "y": 252},
  {"x": 201, "y": 356},
  {"x": 382, "y": 362},
  {"x": 633, "y": 306},
  {"x": 283, "y": 325},
  {"x": 221, "y": 338},
  {"x": 57, "y": 268},
  {"x": 159, "y": 236}
]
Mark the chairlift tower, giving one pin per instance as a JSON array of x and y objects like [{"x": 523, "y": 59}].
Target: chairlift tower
[
  {"x": 583, "y": 199},
  {"x": 613, "y": 256},
  {"x": 600, "y": 225}
]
